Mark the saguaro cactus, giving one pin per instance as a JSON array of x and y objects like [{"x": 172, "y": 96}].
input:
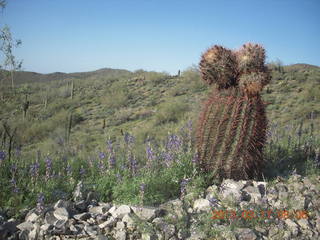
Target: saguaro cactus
[{"x": 232, "y": 127}]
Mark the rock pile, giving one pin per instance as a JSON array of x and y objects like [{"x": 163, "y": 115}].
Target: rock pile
[{"x": 286, "y": 209}]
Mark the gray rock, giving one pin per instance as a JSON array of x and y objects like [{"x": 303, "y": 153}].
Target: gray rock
[
  {"x": 121, "y": 235},
  {"x": 2, "y": 218},
  {"x": 46, "y": 227},
  {"x": 79, "y": 192},
  {"x": 50, "y": 218},
  {"x": 121, "y": 211},
  {"x": 246, "y": 234},
  {"x": 175, "y": 207},
  {"x": 212, "y": 192},
  {"x": 128, "y": 220},
  {"x": 91, "y": 230},
  {"x": 120, "y": 226},
  {"x": 82, "y": 216},
  {"x": 169, "y": 230},
  {"x": 112, "y": 210},
  {"x": 101, "y": 218},
  {"x": 149, "y": 236},
  {"x": 109, "y": 223},
  {"x": 60, "y": 223},
  {"x": 202, "y": 205},
  {"x": 255, "y": 195},
  {"x": 75, "y": 230},
  {"x": 61, "y": 213},
  {"x": 93, "y": 220},
  {"x": 7, "y": 229},
  {"x": 81, "y": 205},
  {"x": 146, "y": 213},
  {"x": 98, "y": 209},
  {"x": 25, "y": 226},
  {"x": 231, "y": 189},
  {"x": 33, "y": 235},
  {"x": 304, "y": 223},
  {"x": 183, "y": 233},
  {"x": 23, "y": 235},
  {"x": 64, "y": 204},
  {"x": 32, "y": 217},
  {"x": 317, "y": 223}
]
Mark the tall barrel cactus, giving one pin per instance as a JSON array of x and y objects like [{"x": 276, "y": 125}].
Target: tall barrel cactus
[{"x": 232, "y": 127}]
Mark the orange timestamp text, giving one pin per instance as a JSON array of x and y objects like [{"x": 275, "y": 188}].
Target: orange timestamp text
[{"x": 260, "y": 214}]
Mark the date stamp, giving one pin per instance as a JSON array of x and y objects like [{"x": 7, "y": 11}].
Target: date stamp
[{"x": 260, "y": 214}]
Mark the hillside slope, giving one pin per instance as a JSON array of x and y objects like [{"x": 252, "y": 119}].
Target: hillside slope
[{"x": 108, "y": 102}]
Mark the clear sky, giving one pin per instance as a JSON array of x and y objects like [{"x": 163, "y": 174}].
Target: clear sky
[{"x": 162, "y": 35}]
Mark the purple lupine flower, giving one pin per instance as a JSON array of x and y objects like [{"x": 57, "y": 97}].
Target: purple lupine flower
[
  {"x": 150, "y": 154},
  {"x": 133, "y": 163},
  {"x": 174, "y": 143},
  {"x": 48, "y": 163},
  {"x": 40, "y": 202},
  {"x": 109, "y": 146},
  {"x": 102, "y": 155},
  {"x": 34, "y": 170},
  {"x": 183, "y": 185},
  {"x": 128, "y": 139},
  {"x": 2, "y": 155},
  {"x": 167, "y": 158},
  {"x": 15, "y": 188},
  {"x": 112, "y": 157},
  {"x": 101, "y": 166},
  {"x": 112, "y": 160},
  {"x": 189, "y": 125}
]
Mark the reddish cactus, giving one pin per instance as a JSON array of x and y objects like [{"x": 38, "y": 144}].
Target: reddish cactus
[{"x": 232, "y": 126}]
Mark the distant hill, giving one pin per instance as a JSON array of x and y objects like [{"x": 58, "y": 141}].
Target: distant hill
[{"x": 22, "y": 77}]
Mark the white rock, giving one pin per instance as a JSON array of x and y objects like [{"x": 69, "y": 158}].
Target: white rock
[
  {"x": 31, "y": 218},
  {"x": 61, "y": 214},
  {"x": 231, "y": 189},
  {"x": 146, "y": 213},
  {"x": 129, "y": 221},
  {"x": 109, "y": 223},
  {"x": 25, "y": 226},
  {"x": 202, "y": 205},
  {"x": 121, "y": 211}
]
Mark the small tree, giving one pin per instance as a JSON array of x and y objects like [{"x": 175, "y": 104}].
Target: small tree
[
  {"x": 6, "y": 47},
  {"x": 7, "y": 44}
]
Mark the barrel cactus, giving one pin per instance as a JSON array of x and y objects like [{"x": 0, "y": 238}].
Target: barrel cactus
[{"x": 231, "y": 130}]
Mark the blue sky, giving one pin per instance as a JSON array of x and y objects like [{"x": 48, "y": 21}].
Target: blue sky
[{"x": 163, "y": 35}]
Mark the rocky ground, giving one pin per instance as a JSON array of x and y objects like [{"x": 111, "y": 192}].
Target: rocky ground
[{"x": 246, "y": 210}]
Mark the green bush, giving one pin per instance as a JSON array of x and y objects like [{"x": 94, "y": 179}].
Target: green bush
[{"x": 171, "y": 111}]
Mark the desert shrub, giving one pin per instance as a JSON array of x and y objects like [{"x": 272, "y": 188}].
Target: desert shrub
[{"x": 171, "y": 111}]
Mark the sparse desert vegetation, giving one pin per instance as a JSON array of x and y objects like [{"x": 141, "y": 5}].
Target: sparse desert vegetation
[{"x": 114, "y": 129}]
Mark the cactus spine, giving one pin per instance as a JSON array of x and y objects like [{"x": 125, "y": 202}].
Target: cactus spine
[{"x": 232, "y": 126}]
